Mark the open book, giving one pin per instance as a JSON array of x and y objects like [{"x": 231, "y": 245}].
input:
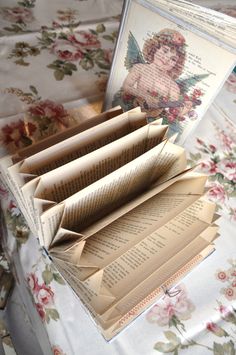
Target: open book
[{"x": 121, "y": 216}]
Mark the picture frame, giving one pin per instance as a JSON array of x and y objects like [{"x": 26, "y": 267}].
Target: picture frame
[{"x": 181, "y": 93}]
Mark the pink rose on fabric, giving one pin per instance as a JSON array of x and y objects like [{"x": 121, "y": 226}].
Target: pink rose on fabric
[
  {"x": 33, "y": 282},
  {"x": 217, "y": 192},
  {"x": 224, "y": 311},
  {"x": 66, "y": 15},
  {"x": 230, "y": 293},
  {"x": 3, "y": 192},
  {"x": 17, "y": 14},
  {"x": 212, "y": 148},
  {"x": 230, "y": 83},
  {"x": 227, "y": 313},
  {"x": 16, "y": 132},
  {"x": 56, "y": 350},
  {"x": 226, "y": 141},
  {"x": 12, "y": 205},
  {"x": 209, "y": 167},
  {"x": 45, "y": 295},
  {"x": 222, "y": 276},
  {"x": 229, "y": 276},
  {"x": 84, "y": 40},
  {"x": 232, "y": 271},
  {"x": 66, "y": 50},
  {"x": 234, "y": 283},
  {"x": 14, "y": 210},
  {"x": 49, "y": 109},
  {"x": 228, "y": 169},
  {"x": 179, "y": 306},
  {"x": 55, "y": 24},
  {"x": 41, "y": 311},
  {"x": 199, "y": 141},
  {"x": 214, "y": 328},
  {"x": 108, "y": 54}
]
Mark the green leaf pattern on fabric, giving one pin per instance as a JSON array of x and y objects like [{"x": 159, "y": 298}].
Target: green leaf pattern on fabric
[{"x": 73, "y": 48}]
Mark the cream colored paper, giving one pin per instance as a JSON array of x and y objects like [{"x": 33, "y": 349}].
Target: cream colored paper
[
  {"x": 76, "y": 146},
  {"x": 98, "y": 199},
  {"x": 122, "y": 222},
  {"x": 165, "y": 212}
]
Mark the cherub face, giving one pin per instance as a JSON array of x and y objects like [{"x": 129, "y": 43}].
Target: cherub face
[{"x": 165, "y": 57}]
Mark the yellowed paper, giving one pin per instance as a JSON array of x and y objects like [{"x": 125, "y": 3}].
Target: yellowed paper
[
  {"x": 107, "y": 188},
  {"x": 83, "y": 143}
]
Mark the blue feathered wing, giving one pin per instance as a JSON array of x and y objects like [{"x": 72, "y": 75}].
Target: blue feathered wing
[
  {"x": 186, "y": 84},
  {"x": 134, "y": 54}
]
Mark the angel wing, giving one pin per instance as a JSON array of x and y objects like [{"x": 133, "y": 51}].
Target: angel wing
[
  {"x": 186, "y": 84},
  {"x": 134, "y": 54}
]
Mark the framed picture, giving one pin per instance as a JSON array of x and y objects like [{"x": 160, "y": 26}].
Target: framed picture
[{"x": 165, "y": 65}]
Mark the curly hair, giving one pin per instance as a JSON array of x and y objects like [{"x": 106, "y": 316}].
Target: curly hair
[{"x": 172, "y": 39}]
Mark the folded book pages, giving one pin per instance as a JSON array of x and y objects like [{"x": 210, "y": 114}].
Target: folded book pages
[
  {"x": 119, "y": 212},
  {"x": 60, "y": 150}
]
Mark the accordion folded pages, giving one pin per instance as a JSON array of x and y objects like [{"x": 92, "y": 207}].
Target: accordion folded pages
[{"x": 119, "y": 212}]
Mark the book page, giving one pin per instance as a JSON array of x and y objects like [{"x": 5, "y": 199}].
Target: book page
[
  {"x": 63, "y": 182},
  {"x": 91, "y": 196},
  {"x": 149, "y": 264},
  {"x": 117, "y": 188},
  {"x": 112, "y": 191},
  {"x": 140, "y": 261},
  {"x": 157, "y": 278},
  {"x": 215, "y": 23},
  {"x": 80, "y": 288},
  {"x": 68, "y": 133},
  {"x": 187, "y": 183},
  {"x": 55, "y": 234},
  {"x": 152, "y": 190},
  {"x": 59, "y": 184},
  {"x": 147, "y": 216},
  {"x": 121, "y": 314},
  {"x": 108, "y": 191},
  {"x": 145, "y": 264},
  {"x": 132, "y": 268},
  {"x": 171, "y": 161},
  {"x": 83, "y": 143},
  {"x": 22, "y": 172},
  {"x": 123, "y": 234},
  {"x": 113, "y": 240}
]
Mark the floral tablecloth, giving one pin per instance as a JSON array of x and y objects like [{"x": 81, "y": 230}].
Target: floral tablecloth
[{"x": 53, "y": 55}]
